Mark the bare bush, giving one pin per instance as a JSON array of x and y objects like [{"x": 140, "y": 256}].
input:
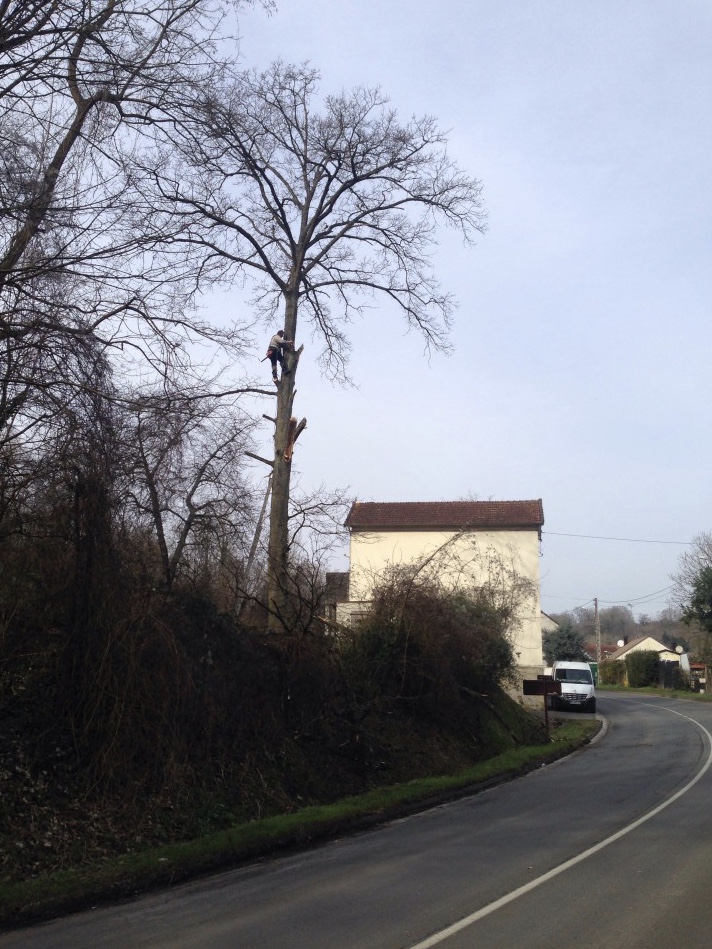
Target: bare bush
[{"x": 429, "y": 641}]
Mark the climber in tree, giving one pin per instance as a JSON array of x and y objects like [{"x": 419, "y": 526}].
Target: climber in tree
[{"x": 275, "y": 351}]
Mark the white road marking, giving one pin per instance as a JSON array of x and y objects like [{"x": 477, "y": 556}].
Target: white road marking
[{"x": 457, "y": 927}]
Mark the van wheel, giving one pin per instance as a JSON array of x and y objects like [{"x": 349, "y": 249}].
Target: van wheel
[{"x": 592, "y": 705}]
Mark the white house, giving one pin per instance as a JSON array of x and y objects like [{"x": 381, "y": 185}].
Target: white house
[
  {"x": 489, "y": 541},
  {"x": 646, "y": 644}
]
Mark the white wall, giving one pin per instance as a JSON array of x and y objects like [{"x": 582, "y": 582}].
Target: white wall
[{"x": 482, "y": 556}]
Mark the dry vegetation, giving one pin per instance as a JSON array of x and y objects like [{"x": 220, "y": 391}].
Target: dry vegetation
[{"x": 188, "y": 723}]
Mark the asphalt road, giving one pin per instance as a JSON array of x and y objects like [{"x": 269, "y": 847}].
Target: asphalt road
[{"x": 609, "y": 848}]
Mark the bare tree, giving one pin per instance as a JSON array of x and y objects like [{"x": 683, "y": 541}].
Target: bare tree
[
  {"x": 323, "y": 208},
  {"x": 53, "y": 407},
  {"x": 692, "y": 593},
  {"x": 187, "y": 476},
  {"x": 85, "y": 88},
  {"x": 690, "y": 565},
  {"x": 316, "y": 531}
]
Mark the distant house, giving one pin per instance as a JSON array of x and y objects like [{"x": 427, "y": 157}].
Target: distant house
[
  {"x": 607, "y": 651},
  {"x": 646, "y": 644},
  {"x": 548, "y": 625},
  {"x": 478, "y": 535}
]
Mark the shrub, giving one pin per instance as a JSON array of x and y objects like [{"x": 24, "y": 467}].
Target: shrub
[
  {"x": 643, "y": 668},
  {"x": 426, "y": 644},
  {"x": 612, "y": 672}
]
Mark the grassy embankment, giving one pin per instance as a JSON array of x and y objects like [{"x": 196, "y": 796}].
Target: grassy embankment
[{"x": 129, "y": 874}]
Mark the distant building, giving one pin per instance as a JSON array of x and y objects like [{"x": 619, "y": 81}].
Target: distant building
[{"x": 646, "y": 644}]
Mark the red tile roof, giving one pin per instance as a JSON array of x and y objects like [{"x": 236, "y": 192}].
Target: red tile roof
[
  {"x": 446, "y": 515},
  {"x": 591, "y": 650}
]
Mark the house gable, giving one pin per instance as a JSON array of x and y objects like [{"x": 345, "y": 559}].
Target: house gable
[{"x": 477, "y": 535}]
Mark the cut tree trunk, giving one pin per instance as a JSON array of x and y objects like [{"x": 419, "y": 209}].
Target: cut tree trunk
[{"x": 278, "y": 547}]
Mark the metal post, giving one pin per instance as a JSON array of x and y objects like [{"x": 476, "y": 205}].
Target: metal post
[{"x": 546, "y": 714}]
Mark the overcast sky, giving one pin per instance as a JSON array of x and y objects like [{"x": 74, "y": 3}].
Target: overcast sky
[{"x": 582, "y": 353}]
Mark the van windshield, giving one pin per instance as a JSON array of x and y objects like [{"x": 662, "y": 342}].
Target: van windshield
[{"x": 582, "y": 676}]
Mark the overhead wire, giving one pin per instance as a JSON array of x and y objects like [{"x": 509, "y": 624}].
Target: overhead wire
[
  {"x": 641, "y": 599},
  {"x": 649, "y": 597},
  {"x": 626, "y": 601},
  {"x": 629, "y": 540}
]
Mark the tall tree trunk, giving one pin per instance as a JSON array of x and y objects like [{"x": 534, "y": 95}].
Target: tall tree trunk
[{"x": 278, "y": 547}]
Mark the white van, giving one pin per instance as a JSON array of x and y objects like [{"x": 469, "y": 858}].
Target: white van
[{"x": 577, "y": 689}]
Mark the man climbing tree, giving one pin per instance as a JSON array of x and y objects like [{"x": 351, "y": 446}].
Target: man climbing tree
[
  {"x": 323, "y": 208},
  {"x": 278, "y": 345}
]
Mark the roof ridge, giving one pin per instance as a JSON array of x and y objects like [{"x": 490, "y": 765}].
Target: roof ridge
[{"x": 446, "y": 514}]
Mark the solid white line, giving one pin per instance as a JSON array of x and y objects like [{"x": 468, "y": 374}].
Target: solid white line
[{"x": 457, "y": 927}]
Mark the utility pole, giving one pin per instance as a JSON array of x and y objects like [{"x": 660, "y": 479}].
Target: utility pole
[{"x": 598, "y": 632}]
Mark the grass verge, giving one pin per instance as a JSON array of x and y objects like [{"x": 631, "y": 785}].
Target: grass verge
[
  {"x": 131, "y": 874},
  {"x": 657, "y": 690}
]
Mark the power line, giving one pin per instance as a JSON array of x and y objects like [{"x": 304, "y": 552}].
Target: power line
[
  {"x": 581, "y": 606},
  {"x": 648, "y": 596},
  {"x": 629, "y": 540},
  {"x": 557, "y": 596}
]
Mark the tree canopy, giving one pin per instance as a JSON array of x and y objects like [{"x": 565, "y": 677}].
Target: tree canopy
[
  {"x": 693, "y": 587},
  {"x": 699, "y": 605},
  {"x": 321, "y": 205},
  {"x": 322, "y": 201},
  {"x": 85, "y": 90},
  {"x": 139, "y": 168},
  {"x": 566, "y": 642}
]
